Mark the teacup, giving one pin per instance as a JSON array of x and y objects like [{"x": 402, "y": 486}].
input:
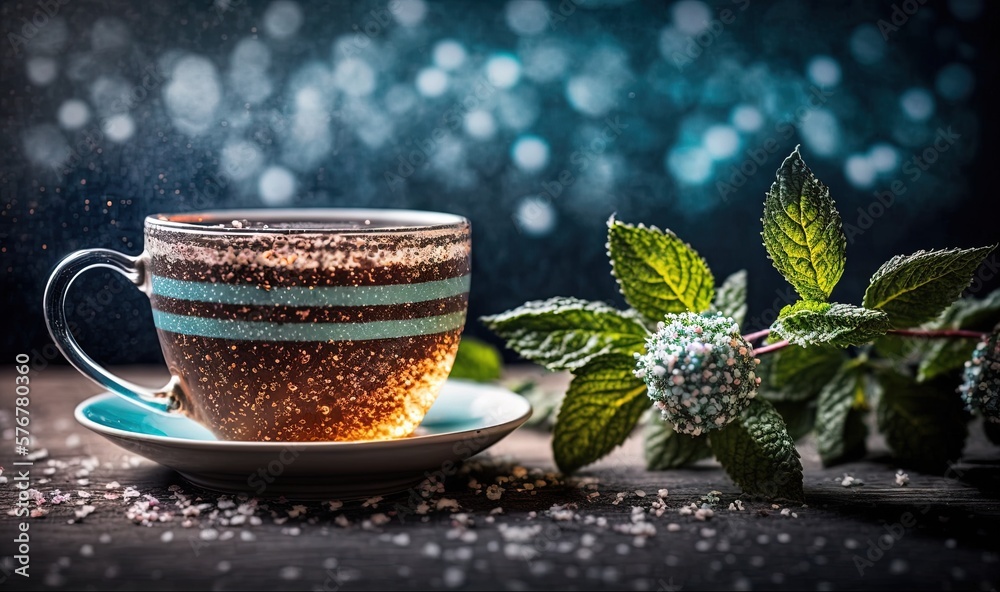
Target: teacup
[{"x": 292, "y": 325}]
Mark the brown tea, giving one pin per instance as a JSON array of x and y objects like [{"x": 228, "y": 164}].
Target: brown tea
[{"x": 314, "y": 329}]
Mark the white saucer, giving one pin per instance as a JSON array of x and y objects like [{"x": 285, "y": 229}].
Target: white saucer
[{"x": 466, "y": 419}]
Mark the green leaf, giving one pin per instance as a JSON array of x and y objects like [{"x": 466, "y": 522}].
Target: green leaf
[
  {"x": 759, "y": 454},
  {"x": 799, "y": 417},
  {"x": 803, "y": 233},
  {"x": 602, "y": 405},
  {"x": 814, "y": 323},
  {"x": 666, "y": 449},
  {"x": 924, "y": 424},
  {"x": 945, "y": 355},
  {"x": 840, "y": 429},
  {"x": 916, "y": 288},
  {"x": 731, "y": 297},
  {"x": 657, "y": 272},
  {"x": 566, "y": 333},
  {"x": 797, "y": 373},
  {"x": 476, "y": 360}
]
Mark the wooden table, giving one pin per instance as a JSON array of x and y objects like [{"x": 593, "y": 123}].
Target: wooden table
[{"x": 939, "y": 532}]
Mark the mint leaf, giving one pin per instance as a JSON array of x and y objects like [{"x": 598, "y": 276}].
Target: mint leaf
[
  {"x": 916, "y": 288},
  {"x": 476, "y": 360},
  {"x": 731, "y": 297},
  {"x": 759, "y": 454},
  {"x": 925, "y": 424},
  {"x": 803, "y": 233},
  {"x": 946, "y": 355},
  {"x": 657, "y": 272},
  {"x": 799, "y": 417},
  {"x": 840, "y": 429},
  {"x": 602, "y": 405},
  {"x": 666, "y": 449},
  {"x": 566, "y": 333},
  {"x": 797, "y": 373},
  {"x": 815, "y": 323}
]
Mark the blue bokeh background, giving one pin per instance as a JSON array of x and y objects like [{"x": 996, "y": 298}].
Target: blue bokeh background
[{"x": 536, "y": 119}]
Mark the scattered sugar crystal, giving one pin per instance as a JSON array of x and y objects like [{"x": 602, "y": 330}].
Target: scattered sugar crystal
[
  {"x": 851, "y": 481},
  {"x": 662, "y": 494},
  {"x": 446, "y": 502},
  {"x": 167, "y": 536},
  {"x": 902, "y": 479}
]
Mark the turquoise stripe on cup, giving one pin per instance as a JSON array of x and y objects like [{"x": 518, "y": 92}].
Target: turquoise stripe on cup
[
  {"x": 264, "y": 331},
  {"x": 387, "y": 294}
]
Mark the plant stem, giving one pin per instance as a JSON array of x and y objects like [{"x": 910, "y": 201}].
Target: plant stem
[
  {"x": 751, "y": 337},
  {"x": 939, "y": 333},
  {"x": 770, "y": 348}
]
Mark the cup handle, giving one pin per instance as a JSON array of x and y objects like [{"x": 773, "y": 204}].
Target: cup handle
[{"x": 163, "y": 400}]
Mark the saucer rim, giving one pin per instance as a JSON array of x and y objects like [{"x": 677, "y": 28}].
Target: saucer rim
[{"x": 522, "y": 416}]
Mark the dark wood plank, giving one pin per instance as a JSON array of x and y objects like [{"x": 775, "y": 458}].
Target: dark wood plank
[{"x": 952, "y": 542}]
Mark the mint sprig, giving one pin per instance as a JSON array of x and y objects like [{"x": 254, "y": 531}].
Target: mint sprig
[
  {"x": 803, "y": 233},
  {"x": 913, "y": 289},
  {"x": 806, "y": 380},
  {"x": 602, "y": 405},
  {"x": 567, "y": 333},
  {"x": 657, "y": 272},
  {"x": 759, "y": 455}
]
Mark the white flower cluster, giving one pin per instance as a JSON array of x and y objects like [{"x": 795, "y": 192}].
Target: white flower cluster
[
  {"x": 699, "y": 370},
  {"x": 981, "y": 389}
]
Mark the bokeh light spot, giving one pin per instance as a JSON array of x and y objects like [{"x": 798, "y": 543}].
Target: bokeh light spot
[
  {"x": 73, "y": 114},
  {"x": 530, "y": 153},
  {"x": 276, "y": 186},
  {"x": 917, "y": 104},
  {"x": 282, "y": 19},
  {"x": 535, "y": 216},
  {"x": 503, "y": 71},
  {"x": 432, "y": 82}
]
